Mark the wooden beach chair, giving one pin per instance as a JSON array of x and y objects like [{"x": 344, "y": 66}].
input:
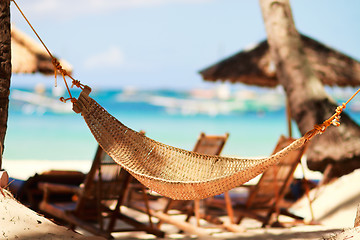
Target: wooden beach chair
[
  {"x": 28, "y": 193},
  {"x": 206, "y": 144},
  {"x": 97, "y": 200},
  {"x": 266, "y": 201}
]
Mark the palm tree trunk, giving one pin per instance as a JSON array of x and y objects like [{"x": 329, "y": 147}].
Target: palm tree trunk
[
  {"x": 309, "y": 102},
  {"x": 5, "y": 69}
]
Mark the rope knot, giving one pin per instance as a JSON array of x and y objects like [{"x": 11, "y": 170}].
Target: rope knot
[
  {"x": 77, "y": 84},
  {"x": 57, "y": 66},
  {"x": 338, "y": 111},
  {"x": 336, "y": 121},
  {"x": 333, "y": 120},
  {"x": 340, "y": 108}
]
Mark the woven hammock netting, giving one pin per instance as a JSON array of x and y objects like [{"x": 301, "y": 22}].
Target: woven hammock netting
[{"x": 167, "y": 170}]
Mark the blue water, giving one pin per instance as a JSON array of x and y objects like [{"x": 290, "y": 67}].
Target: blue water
[{"x": 47, "y": 135}]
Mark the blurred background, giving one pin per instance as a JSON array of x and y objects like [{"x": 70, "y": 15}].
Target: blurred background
[{"x": 142, "y": 58}]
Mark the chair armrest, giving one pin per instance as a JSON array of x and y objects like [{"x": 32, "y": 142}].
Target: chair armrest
[
  {"x": 49, "y": 188},
  {"x": 58, "y": 188}
]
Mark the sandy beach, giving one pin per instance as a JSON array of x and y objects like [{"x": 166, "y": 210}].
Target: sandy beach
[
  {"x": 19, "y": 222},
  {"x": 334, "y": 208}
]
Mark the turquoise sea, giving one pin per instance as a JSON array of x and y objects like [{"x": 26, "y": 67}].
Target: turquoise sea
[{"x": 41, "y": 128}]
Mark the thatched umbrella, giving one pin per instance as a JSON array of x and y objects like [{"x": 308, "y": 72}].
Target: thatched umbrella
[
  {"x": 255, "y": 67},
  {"x": 29, "y": 56}
]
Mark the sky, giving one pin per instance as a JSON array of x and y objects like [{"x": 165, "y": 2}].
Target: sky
[{"x": 165, "y": 43}]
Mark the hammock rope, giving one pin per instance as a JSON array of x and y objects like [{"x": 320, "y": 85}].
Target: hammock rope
[
  {"x": 55, "y": 62},
  {"x": 171, "y": 171}
]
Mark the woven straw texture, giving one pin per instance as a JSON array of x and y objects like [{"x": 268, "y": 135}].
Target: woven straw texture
[{"x": 170, "y": 171}]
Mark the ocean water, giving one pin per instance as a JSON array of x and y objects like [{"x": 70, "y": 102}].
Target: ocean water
[{"x": 41, "y": 128}]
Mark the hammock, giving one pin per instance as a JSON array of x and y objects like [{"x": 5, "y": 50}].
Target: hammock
[
  {"x": 167, "y": 170},
  {"x": 170, "y": 171}
]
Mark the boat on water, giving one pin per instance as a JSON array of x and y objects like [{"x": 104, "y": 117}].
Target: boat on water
[
  {"x": 39, "y": 103},
  {"x": 217, "y": 101}
]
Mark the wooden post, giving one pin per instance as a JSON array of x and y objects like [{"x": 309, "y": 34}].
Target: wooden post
[
  {"x": 4, "y": 177},
  {"x": 288, "y": 117},
  {"x": 5, "y": 69}
]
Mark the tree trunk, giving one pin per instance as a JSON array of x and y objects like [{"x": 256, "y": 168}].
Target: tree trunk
[
  {"x": 5, "y": 69},
  {"x": 309, "y": 102}
]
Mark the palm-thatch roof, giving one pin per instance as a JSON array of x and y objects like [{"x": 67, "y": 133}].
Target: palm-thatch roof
[
  {"x": 29, "y": 56},
  {"x": 255, "y": 67}
]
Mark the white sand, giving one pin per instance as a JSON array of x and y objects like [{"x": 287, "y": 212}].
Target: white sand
[
  {"x": 19, "y": 222},
  {"x": 335, "y": 208},
  {"x": 335, "y": 204}
]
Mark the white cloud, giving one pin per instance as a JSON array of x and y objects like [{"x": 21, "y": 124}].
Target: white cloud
[
  {"x": 112, "y": 57},
  {"x": 71, "y": 8}
]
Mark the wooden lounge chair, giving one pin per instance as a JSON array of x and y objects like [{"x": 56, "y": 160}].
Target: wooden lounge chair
[
  {"x": 99, "y": 198},
  {"x": 28, "y": 193},
  {"x": 212, "y": 145},
  {"x": 265, "y": 201}
]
